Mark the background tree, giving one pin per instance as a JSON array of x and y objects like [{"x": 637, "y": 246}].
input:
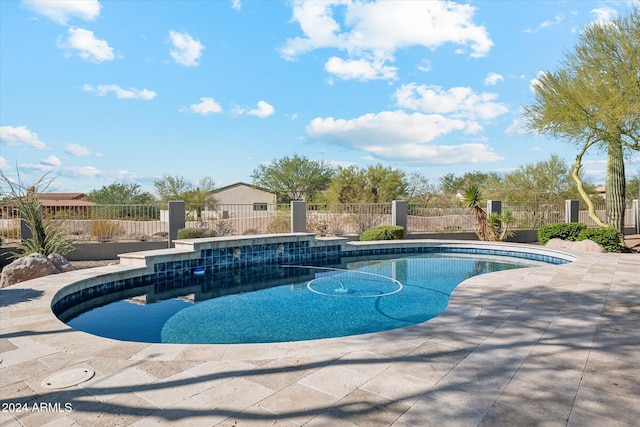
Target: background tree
[
  {"x": 593, "y": 100},
  {"x": 419, "y": 189},
  {"x": 374, "y": 184},
  {"x": 201, "y": 196},
  {"x": 488, "y": 181},
  {"x": 385, "y": 184},
  {"x": 347, "y": 185},
  {"x": 294, "y": 178},
  {"x": 196, "y": 198},
  {"x": 633, "y": 188},
  {"x": 171, "y": 187},
  {"x": 120, "y": 194},
  {"x": 548, "y": 181}
]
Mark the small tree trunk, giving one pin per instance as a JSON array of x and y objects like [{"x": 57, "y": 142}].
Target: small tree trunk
[{"x": 615, "y": 186}]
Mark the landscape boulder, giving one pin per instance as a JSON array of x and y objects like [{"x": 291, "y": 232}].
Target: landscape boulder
[
  {"x": 61, "y": 263},
  {"x": 581, "y": 246},
  {"x": 31, "y": 267}
]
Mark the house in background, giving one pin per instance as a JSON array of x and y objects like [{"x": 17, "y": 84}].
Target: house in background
[
  {"x": 68, "y": 203},
  {"x": 56, "y": 203},
  {"x": 241, "y": 193},
  {"x": 235, "y": 201},
  {"x": 242, "y": 200}
]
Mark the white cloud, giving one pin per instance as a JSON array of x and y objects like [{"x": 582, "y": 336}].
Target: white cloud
[
  {"x": 492, "y": 79},
  {"x": 595, "y": 169},
  {"x": 361, "y": 69},
  {"x": 264, "y": 110},
  {"x": 131, "y": 93},
  {"x": 206, "y": 106},
  {"x": 340, "y": 163},
  {"x": 604, "y": 14},
  {"x": 85, "y": 171},
  {"x": 236, "y": 5},
  {"x": 398, "y": 136},
  {"x": 4, "y": 165},
  {"x": 424, "y": 66},
  {"x": 88, "y": 47},
  {"x": 551, "y": 22},
  {"x": 51, "y": 161},
  {"x": 61, "y": 11},
  {"x": 375, "y": 30},
  {"x": 31, "y": 167},
  {"x": 79, "y": 150},
  {"x": 20, "y": 135},
  {"x": 459, "y": 102},
  {"x": 536, "y": 81},
  {"x": 548, "y": 23},
  {"x": 186, "y": 50},
  {"x": 408, "y": 137},
  {"x": 517, "y": 127}
]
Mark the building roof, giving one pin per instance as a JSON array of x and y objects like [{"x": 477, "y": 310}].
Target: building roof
[
  {"x": 66, "y": 202},
  {"x": 61, "y": 199},
  {"x": 238, "y": 184},
  {"x": 61, "y": 196}
]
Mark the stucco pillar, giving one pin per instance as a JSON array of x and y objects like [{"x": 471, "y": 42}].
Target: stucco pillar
[
  {"x": 494, "y": 206},
  {"x": 399, "y": 212},
  {"x": 298, "y": 216},
  {"x": 176, "y": 219},
  {"x": 571, "y": 209}
]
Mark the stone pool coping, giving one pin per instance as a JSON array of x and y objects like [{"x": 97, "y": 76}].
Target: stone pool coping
[{"x": 557, "y": 343}]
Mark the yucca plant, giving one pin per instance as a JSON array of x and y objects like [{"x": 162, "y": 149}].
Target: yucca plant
[
  {"x": 47, "y": 236},
  {"x": 472, "y": 198}
]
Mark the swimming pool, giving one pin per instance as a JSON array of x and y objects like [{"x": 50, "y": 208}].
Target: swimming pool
[{"x": 269, "y": 302}]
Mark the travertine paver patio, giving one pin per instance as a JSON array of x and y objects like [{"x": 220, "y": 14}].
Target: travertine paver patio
[{"x": 557, "y": 345}]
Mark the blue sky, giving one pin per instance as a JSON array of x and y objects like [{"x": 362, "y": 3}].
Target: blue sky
[{"x": 125, "y": 91}]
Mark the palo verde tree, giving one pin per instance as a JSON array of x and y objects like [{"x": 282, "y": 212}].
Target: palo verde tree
[
  {"x": 294, "y": 178},
  {"x": 593, "y": 101}
]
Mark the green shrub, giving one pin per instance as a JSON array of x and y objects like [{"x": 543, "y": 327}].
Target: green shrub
[
  {"x": 383, "y": 232},
  {"x": 561, "y": 230},
  {"x": 607, "y": 237},
  {"x": 196, "y": 233}
]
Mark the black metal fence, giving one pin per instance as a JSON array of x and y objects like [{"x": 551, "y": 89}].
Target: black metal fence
[{"x": 110, "y": 223}]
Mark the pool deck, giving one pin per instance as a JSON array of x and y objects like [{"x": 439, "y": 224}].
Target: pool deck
[{"x": 556, "y": 345}]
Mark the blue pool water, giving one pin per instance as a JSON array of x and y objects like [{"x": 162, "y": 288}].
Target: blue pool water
[{"x": 313, "y": 302}]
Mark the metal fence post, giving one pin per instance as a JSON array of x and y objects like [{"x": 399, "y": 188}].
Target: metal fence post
[
  {"x": 399, "y": 211},
  {"x": 494, "y": 206},
  {"x": 176, "y": 219},
  {"x": 298, "y": 216},
  {"x": 635, "y": 205},
  {"x": 571, "y": 209}
]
